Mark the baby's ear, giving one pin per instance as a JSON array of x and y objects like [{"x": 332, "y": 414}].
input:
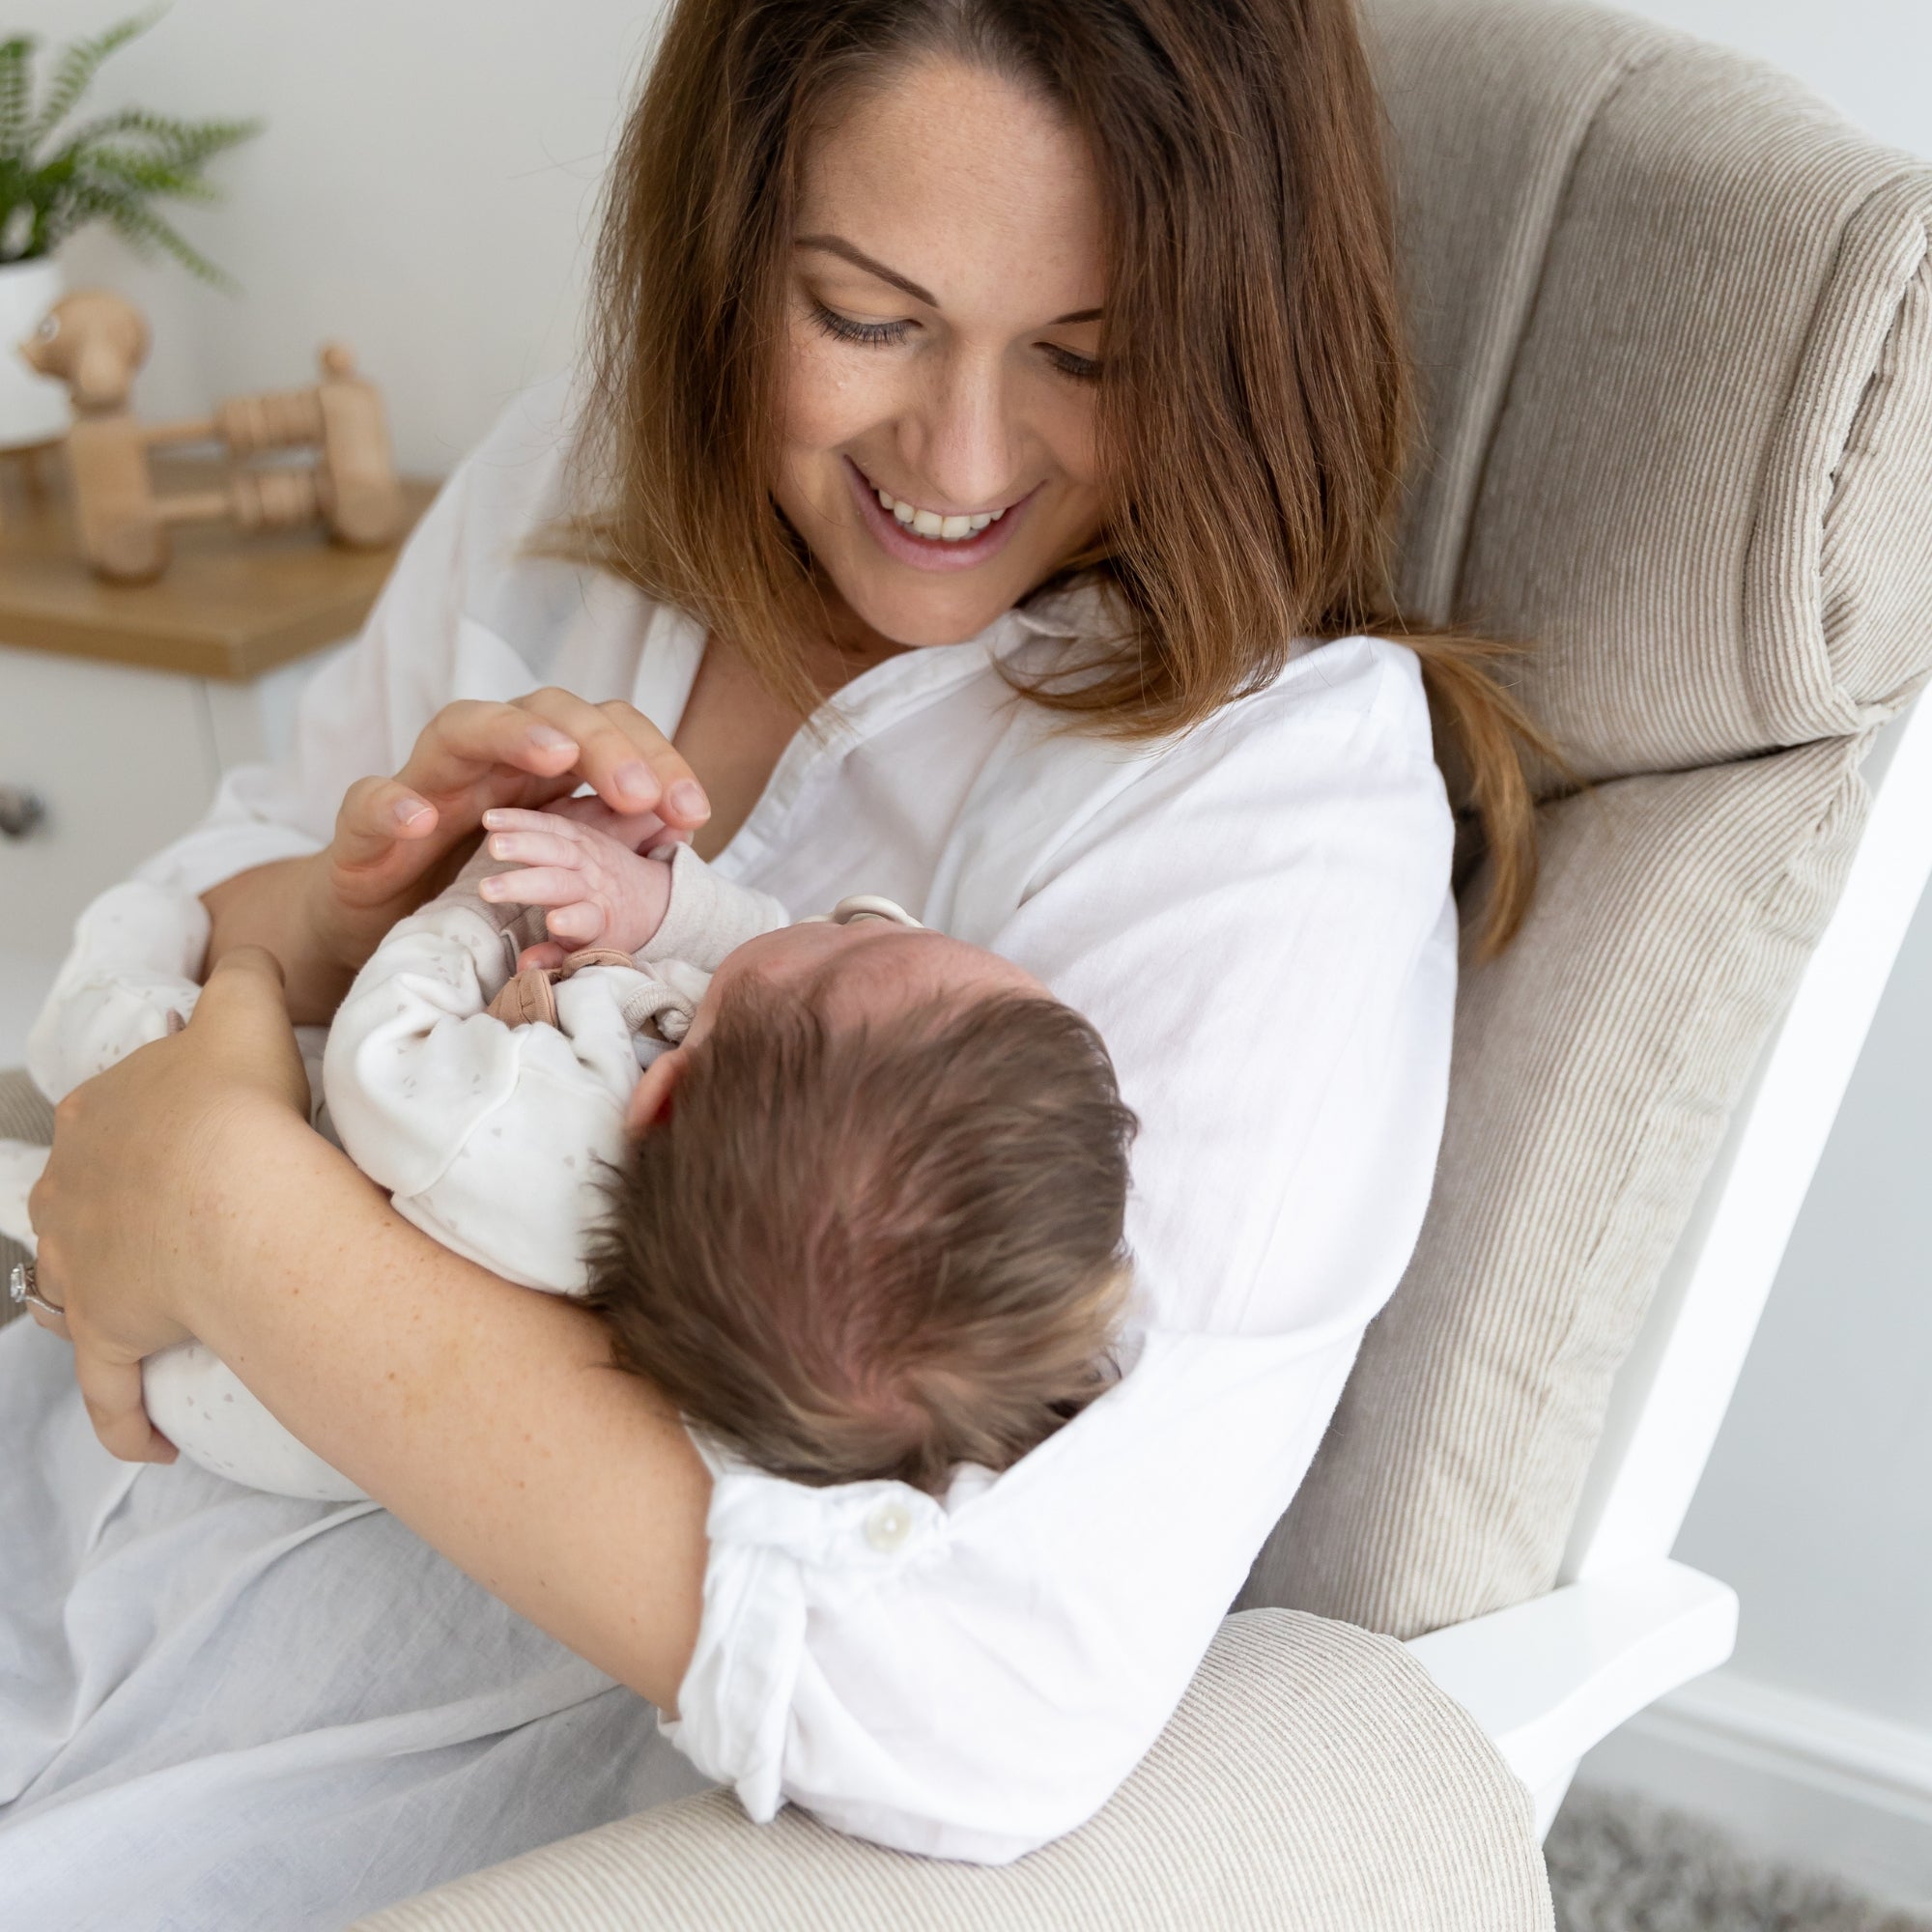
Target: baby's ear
[{"x": 651, "y": 1098}]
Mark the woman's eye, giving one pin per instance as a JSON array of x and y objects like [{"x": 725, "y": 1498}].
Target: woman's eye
[
  {"x": 848, "y": 330},
  {"x": 1081, "y": 368}
]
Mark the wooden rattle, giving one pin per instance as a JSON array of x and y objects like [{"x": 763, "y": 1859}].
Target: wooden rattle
[{"x": 351, "y": 486}]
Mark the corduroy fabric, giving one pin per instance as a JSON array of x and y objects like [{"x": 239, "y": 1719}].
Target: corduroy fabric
[
  {"x": 1596, "y": 1064},
  {"x": 1314, "y": 1779},
  {"x": 1488, "y": 107},
  {"x": 1677, "y": 344},
  {"x": 1673, "y": 317},
  {"x": 25, "y": 1115}
]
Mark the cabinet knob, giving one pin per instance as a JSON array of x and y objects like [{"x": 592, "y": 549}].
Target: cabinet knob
[{"x": 20, "y": 810}]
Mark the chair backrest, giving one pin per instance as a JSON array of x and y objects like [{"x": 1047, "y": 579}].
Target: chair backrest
[
  {"x": 1670, "y": 1395},
  {"x": 1674, "y": 323}
]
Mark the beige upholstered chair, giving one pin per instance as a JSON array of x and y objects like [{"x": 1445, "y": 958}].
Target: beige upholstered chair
[{"x": 1675, "y": 321}]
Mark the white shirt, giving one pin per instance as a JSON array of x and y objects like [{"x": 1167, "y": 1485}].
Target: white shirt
[{"x": 1257, "y": 918}]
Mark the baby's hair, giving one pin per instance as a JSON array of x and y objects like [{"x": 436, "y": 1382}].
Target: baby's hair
[{"x": 879, "y": 1249}]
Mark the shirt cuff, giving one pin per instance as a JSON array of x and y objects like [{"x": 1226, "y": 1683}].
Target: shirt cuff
[
  {"x": 707, "y": 917},
  {"x": 521, "y": 925},
  {"x": 778, "y": 1549}
]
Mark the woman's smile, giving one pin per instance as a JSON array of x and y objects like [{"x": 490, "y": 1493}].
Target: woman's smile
[{"x": 932, "y": 539}]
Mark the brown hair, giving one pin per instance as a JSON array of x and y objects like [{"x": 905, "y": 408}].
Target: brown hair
[
  {"x": 1257, "y": 403},
  {"x": 877, "y": 1250}
]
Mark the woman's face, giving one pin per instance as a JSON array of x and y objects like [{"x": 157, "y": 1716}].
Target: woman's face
[{"x": 941, "y": 334}]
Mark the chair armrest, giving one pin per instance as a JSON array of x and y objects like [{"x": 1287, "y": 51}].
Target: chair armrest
[
  {"x": 1314, "y": 1779},
  {"x": 1550, "y": 1678}
]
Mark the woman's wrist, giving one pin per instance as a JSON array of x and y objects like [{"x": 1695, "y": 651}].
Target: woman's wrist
[{"x": 282, "y": 907}]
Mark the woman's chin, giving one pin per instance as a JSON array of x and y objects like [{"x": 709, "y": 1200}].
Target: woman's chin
[{"x": 922, "y": 616}]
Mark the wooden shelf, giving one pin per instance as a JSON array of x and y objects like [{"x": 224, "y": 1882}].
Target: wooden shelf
[{"x": 228, "y": 606}]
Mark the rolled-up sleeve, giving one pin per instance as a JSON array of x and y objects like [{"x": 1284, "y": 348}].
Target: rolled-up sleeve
[{"x": 1259, "y": 923}]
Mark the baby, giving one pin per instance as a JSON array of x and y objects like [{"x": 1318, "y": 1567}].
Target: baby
[{"x": 849, "y": 1192}]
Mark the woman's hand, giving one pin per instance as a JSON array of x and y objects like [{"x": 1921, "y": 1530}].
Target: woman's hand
[
  {"x": 135, "y": 1180},
  {"x": 398, "y": 841}
]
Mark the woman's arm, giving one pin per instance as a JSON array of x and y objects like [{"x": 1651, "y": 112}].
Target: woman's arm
[{"x": 488, "y": 1418}]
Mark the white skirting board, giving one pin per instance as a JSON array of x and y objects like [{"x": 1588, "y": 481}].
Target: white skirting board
[{"x": 1804, "y": 1780}]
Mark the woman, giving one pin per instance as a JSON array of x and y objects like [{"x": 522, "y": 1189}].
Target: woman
[{"x": 1027, "y": 382}]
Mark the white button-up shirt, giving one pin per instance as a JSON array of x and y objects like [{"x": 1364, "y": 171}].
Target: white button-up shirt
[{"x": 1257, "y": 918}]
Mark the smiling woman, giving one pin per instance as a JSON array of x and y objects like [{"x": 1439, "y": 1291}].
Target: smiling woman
[{"x": 989, "y": 299}]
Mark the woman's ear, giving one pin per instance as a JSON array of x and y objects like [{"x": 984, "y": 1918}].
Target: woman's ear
[{"x": 651, "y": 1098}]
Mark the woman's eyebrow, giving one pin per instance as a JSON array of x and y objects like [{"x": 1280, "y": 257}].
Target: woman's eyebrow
[{"x": 836, "y": 244}]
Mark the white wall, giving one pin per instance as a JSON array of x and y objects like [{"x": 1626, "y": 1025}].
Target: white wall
[
  {"x": 1817, "y": 1503},
  {"x": 1871, "y": 59},
  {"x": 424, "y": 190}
]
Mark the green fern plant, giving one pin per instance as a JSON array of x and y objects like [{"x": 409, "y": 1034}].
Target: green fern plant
[{"x": 111, "y": 169}]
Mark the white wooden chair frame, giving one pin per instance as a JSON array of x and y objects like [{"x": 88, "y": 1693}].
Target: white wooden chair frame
[{"x": 1550, "y": 1678}]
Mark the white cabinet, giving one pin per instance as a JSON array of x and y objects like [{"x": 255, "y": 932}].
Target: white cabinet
[
  {"x": 120, "y": 705},
  {"x": 121, "y": 759}
]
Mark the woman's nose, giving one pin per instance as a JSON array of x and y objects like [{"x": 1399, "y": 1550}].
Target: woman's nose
[{"x": 966, "y": 442}]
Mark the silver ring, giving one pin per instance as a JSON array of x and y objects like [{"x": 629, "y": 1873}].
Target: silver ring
[{"x": 23, "y": 1289}]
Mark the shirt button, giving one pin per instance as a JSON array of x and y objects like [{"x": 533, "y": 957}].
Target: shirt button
[{"x": 888, "y": 1526}]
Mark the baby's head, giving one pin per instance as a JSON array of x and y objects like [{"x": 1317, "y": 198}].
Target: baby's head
[{"x": 871, "y": 1224}]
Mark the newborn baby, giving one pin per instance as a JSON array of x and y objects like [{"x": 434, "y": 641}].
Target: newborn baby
[{"x": 848, "y": 1191}]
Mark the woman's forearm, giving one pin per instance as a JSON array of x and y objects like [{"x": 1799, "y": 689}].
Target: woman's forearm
[
  {"x": 486, "y": 1416},
  {"x": 272, "y": 906}
]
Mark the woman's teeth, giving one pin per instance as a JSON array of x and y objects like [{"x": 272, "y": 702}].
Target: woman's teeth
[{"x": 930, "y": 523}]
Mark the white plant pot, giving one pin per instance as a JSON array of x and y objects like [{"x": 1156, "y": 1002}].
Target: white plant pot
[{"x": 33, "y": 407}]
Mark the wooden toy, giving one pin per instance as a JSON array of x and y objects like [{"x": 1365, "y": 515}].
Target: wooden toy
[{"x": 95, "y": 344}]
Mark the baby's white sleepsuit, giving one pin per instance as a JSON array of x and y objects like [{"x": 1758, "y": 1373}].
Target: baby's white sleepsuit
[{"x": 490, "y": 1137}]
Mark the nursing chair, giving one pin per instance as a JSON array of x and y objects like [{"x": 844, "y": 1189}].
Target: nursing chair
[{"x": 1674, "y": 321}]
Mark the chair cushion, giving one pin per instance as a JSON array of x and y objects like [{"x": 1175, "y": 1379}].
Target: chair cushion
[
  {"x": 1596, "y": 1064},
  {"x": 1314, "y": 1779},
  {"x": 1674, "y": 323}
]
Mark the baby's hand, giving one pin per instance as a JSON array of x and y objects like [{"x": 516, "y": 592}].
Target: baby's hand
[{"x": 582, "y": 864}]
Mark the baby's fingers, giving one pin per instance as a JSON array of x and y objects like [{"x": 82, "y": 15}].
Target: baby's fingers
[
  {"x": 639, "y": 831},
  {"x": 537, "y": 848},
  {"x": 580, "y": 924},
  {"x": 534, "y": 885}
]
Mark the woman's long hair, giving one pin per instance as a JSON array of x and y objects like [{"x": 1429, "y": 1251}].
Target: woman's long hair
[{"x": 1257, "y": 404}]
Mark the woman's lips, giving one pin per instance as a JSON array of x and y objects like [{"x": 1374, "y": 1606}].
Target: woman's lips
[{"x": 930, "y": 552}]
